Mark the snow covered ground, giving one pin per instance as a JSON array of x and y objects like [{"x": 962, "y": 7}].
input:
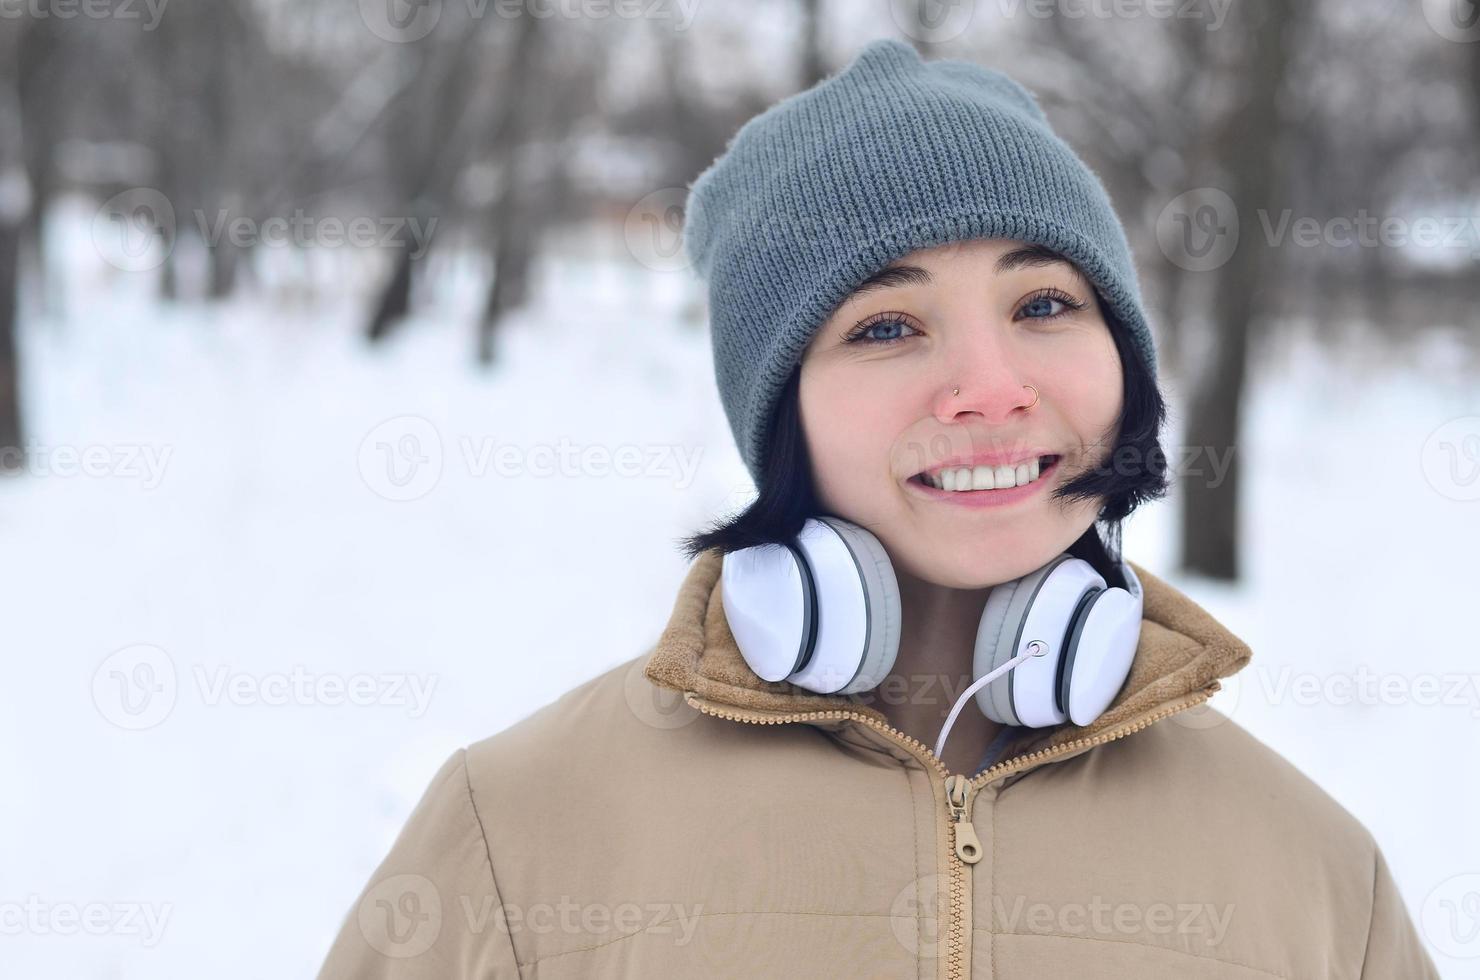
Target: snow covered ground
[{"x": 333, "y": 565}]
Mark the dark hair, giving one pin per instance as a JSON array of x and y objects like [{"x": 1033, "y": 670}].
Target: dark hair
[{"x": 1133, "y": 473}]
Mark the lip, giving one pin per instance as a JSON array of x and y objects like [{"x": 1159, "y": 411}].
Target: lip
[{"x": 987, "y": 498}]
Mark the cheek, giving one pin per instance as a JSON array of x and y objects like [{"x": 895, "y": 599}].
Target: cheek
[
  {"x": 1090, "y": 384},
  {"x": 847, "y": 427}
]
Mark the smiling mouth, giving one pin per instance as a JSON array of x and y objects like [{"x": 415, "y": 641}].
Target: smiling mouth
[{"x": 966, "y": 479}]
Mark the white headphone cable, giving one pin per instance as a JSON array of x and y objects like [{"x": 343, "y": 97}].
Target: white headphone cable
[{"x": 1035, "y": 648}]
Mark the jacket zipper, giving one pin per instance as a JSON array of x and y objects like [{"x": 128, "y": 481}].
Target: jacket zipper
[{"x": 965, "y": 846}]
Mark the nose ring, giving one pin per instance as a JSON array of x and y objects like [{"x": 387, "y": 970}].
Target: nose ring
[{"x": 957, "y": 391}]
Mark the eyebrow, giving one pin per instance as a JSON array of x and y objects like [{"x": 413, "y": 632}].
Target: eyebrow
[{"x": 1027, "y": 257}]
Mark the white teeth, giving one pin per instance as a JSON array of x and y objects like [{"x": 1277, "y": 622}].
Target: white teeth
[{"x": 958, "y": 478}]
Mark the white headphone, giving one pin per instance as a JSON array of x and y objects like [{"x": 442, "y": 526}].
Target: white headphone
[{"x": 823, "y": 612}]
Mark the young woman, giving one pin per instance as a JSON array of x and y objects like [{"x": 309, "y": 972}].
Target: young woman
[{"x": 929, "y": 344}]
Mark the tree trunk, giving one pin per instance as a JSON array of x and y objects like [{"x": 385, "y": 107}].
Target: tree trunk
[
  {"x": 395, "y": 298},
  {"x": 431, "y": 114},
  {"x": 224, "y": 257},
  {"x": 13, "y": 222},
  {"x": 814, "y": 68},
  {"x": 1246, "y": 146},
  {"x": 515, "y": 223},
  {"x": 511, "y": 265},
  {"x": 12, "y": 453}
]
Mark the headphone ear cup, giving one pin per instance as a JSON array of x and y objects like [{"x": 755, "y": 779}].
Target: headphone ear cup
[
  {"x": 770, "y": 605},
  {"x": 1041, "y": 605},
  {"x": 882, "y": 618},
  {"x": 1101, "y": 650}
]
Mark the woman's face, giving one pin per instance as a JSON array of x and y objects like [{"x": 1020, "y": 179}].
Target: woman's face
[{"x": 988, "y": 316}]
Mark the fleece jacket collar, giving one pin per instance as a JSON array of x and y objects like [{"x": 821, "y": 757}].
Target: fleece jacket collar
[{"x": 1182, "y": 651}]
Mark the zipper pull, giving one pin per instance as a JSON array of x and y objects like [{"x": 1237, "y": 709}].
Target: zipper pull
[{"x": 968, "y": 845}]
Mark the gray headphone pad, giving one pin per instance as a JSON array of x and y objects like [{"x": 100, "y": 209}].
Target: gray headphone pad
[
  {"x": 1002, "y": 625},
  {"x": 993, "y": 649},
  {"x": 881, "y": 590}
]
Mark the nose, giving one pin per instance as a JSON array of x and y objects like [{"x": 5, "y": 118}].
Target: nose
[{"x": 983, "y": 383}]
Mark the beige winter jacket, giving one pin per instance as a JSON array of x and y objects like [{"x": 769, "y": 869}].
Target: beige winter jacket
[{"x": 760, "y": 831}]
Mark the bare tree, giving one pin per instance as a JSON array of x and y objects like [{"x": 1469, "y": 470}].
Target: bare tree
[
  {"x": 427, "y": 144},
  {"x": 1245, "y": 147},
  {"x": 814, "y": 65},
  {"x": 15, "y": 200},
  {"x": 515, "y": 214},
  {"x": 1224, "y": 130}
]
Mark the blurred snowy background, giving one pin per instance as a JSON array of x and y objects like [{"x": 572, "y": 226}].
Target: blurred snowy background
[{"x": 292, "y": 510}]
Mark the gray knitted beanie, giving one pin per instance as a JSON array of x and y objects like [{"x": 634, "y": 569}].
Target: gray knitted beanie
[{"x": 889, "y": 155}]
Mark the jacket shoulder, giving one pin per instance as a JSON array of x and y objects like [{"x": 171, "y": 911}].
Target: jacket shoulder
[
  {"x": 615, "y": 713},
  {"x": 406, "y": 922},
  {"x": 1218, "y": 764},
  {"x": 611, "y": 735}
]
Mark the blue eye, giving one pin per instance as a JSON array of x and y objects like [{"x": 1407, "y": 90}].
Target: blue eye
[
  {"x": 865, "y": 333},
  {"x": 1040, "y": 305},
  {"x": 887, "y": 329}
]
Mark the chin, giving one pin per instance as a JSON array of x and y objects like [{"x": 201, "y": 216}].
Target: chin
[{"x": 974, "y": 567}]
